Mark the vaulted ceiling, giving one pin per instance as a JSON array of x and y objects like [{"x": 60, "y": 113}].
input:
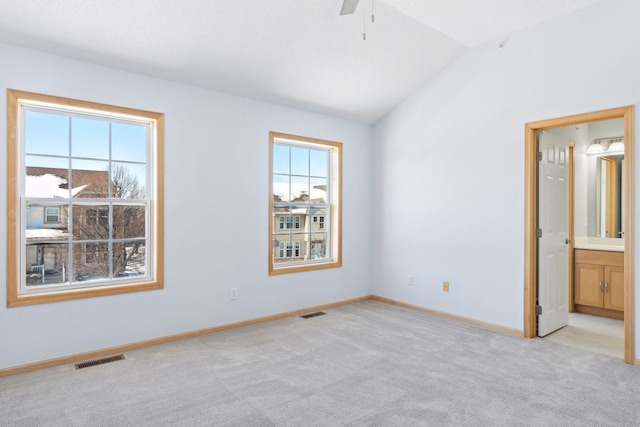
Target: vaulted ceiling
[{"x": 300, "y": 53}]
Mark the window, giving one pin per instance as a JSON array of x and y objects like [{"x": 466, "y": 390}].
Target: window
[
  {"x": 51, "y": 215},
  {"x": 95, "y": 253},
  {"x": 319, "y": 222},
  {"x": 289, "y": 222},
  {"x": 286, "y": 249},
  {"x": 305, "y": 204},
  {"x": 96, "y": 216},
  {"x": 94, "y": 171}
]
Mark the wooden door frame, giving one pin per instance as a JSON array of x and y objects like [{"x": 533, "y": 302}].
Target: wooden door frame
[
  {"x": 531, "y": 214},
  {"x": 611, "y": 208},
  {"x": 572, "y": 214}
]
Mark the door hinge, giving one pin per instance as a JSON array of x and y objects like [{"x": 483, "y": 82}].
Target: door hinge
[
  {"x": 539, "y": 233},
  {"x": 538, "y": 310},
  {"x": 539, "y": 155}
]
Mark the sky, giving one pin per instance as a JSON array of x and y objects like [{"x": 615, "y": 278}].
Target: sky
[
  {"x": 52, "y": 140},
  {"x": 305, "y": 168}
]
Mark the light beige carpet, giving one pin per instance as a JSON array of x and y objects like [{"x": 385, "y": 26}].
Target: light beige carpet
[{"x": 366, "y": 364}]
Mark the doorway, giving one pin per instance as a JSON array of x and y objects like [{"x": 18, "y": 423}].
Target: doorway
[{"x": 531, "y": 217}]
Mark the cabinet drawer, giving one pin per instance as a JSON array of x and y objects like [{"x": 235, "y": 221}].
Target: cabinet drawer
[{"x": 599, "y": 257}]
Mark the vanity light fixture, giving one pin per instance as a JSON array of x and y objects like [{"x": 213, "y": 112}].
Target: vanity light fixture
[
  {"x": 607, "y": 146},
  {"x": 595, "y": 148},
  {"x": 616, "y": 146}
]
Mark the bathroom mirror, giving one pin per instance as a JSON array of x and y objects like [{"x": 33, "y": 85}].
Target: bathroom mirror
[{"x": 609, "y": 196}]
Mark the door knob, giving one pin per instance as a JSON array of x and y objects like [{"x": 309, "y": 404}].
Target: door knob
[{"x": 567, "y": 241}]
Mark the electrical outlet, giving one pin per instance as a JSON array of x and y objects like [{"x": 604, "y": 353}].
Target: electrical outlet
[
  {"x": 410, "y": 280},
  {"x": 445, "y": 286},
  {"x": 234, "y": 293}
]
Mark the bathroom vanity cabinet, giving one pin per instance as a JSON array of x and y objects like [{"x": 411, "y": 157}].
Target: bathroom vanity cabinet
[{"x": 599, "y": 282}]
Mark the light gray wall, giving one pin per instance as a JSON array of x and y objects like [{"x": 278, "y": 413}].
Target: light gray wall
[
  {"x": 449, "y": 161},
  {"x": 216, "y": 179}
]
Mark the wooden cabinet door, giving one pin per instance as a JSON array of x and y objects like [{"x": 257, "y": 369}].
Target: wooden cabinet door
[
  {"x": 614, "y": 288},
  {"x": 588, "y": 284}
]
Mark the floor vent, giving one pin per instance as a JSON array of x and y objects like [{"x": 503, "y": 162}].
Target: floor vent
[
  {"x": 310, "y": 315},
  {"x": 99, "y": 361}
]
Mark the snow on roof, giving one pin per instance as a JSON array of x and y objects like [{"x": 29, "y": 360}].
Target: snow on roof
[
  {"x": 48, "y": 185},
  {"x": 45, "y": 233}
]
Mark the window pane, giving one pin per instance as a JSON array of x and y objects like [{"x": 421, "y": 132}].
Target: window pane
[
  {"x": 128, "y": 181},
  {"x": 38, "y": 229},
  {"x": 46, "y": 177},
  {"x": 299, "y": 189},
  {"x": 281, "y": 188},
  {"x": 318, "y": 163},
  {"x": 299, "y": 221},
  {"x": 300, "y": 243},
  {"x": 46, "y": 264},
  {"x": 46, "y": 133},
  {"x": 90, "y": 178},
  {"x": 281, "y": 159},
  {"x": 318, "y": 245},
  {"x": 318, "y": 190},
  {"x": 129, "y": 259},
  {"x": 128, "y": 142},
  {"x": 299, "y": 161},
  {"x": 89, "y": 138},
  {"x": 90, "y": 222},
  {"x": 90, "y": 261},
  {"x": 128, "y": 222},
  {"x": 282, "y": 248}
]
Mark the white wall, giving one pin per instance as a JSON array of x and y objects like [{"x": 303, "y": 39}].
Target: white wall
[
  {"x": 449, "y": 161},
  {"x": 216, "y": 176}
]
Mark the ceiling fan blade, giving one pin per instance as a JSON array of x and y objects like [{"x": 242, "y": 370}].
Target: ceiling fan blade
[{"x": 348, "y": 7}]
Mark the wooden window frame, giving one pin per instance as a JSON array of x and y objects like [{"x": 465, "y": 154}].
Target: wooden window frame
[
  {"x": 335, "y": 204},
  {"x": 155, "y": 280}
]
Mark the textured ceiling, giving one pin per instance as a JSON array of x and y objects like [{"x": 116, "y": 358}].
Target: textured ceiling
[{"x": 293, "y": 52}]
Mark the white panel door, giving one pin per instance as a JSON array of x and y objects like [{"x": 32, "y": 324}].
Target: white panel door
[{"x": 553, "y": 220}]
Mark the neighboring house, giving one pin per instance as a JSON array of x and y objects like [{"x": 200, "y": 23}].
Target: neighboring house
[
  {"x": 47, "y": 224},
  {"x": 301, "y": 233}
]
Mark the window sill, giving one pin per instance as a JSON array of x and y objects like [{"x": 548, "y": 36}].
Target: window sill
[
  {"x": 273, "y": 271},
  {"x": 20, "y": 300}
]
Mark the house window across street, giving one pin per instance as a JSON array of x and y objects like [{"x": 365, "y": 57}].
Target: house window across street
[{"x": 51, "y": 215}]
